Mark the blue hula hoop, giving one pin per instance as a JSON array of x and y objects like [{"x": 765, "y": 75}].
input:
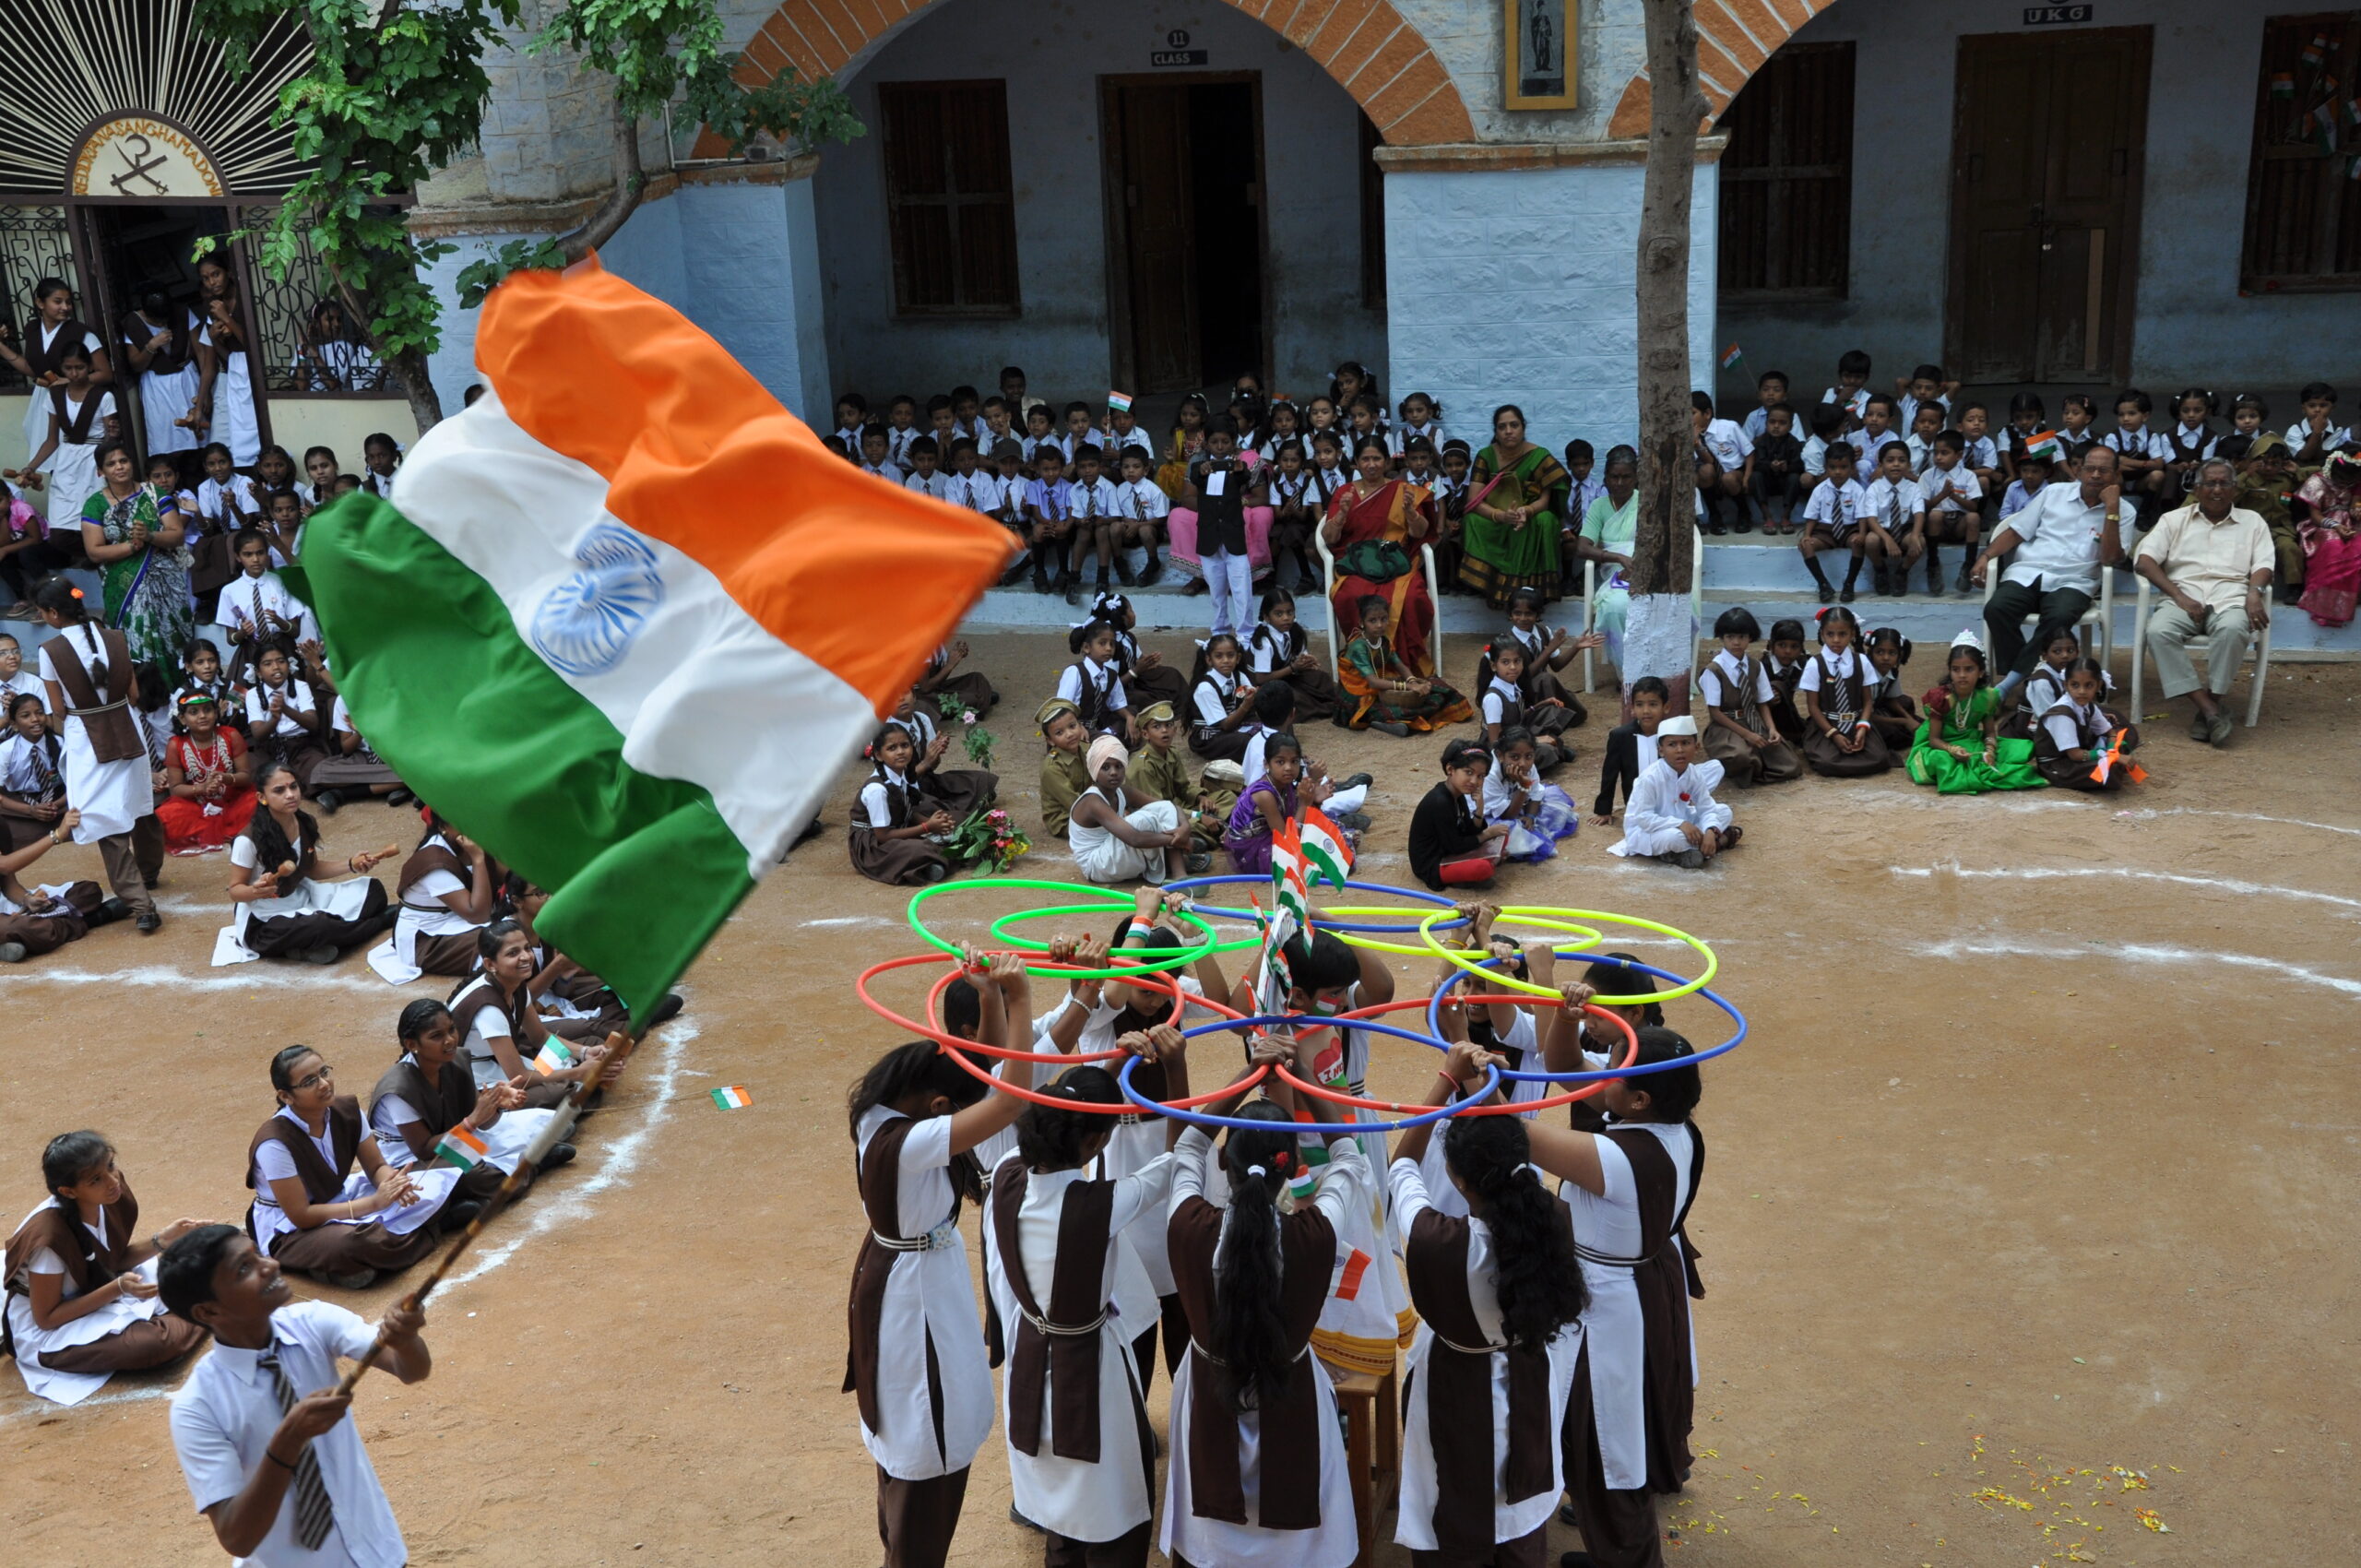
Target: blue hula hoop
[
  {"x": 1434, "y": 1023},
  {"x": 1411, "y": 929},
  {"x": 1326, "y": 1129}
]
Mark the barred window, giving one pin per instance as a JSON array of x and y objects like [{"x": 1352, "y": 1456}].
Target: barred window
[{"x": 2304, "y": 186}]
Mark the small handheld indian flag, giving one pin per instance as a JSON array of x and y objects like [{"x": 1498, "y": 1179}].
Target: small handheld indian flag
[
  {"x": 622, "y": 619},
  {"x": 1119, "y": 401},
  {"x": 555, "y": 1057},
  {"x": 2317, "y": 51},
  {"x": 2045, "y": 445},
  {"x": 461, "y": 1149},
  {"x": 1326, "y": 847},
  {"x": 736, "y": 1096},
  {"x": 1730, "y": 356},
  {"x": 2282, "y": 85}
]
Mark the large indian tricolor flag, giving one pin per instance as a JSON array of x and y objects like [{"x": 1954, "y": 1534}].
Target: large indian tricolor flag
[{"x": 626, "y": 617}]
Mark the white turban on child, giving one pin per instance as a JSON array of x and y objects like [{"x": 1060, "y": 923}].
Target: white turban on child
[{"x": 1104, "y": 750}]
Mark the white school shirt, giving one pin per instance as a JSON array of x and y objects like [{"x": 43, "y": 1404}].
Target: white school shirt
[
  {"x": 380, "y": 485},
  {"x": 1727, "y": 443},
  {"x": 937, "y": 484},
  {"x": 978, "y": 491},
  {"x": 1910, "y": 411},
  {"x": 1497, "y": 694},
  {"x": 1292, "y": 489},
  {"x": 1846, "y": 666},
  {"x": 1717, "y": 683},
  {"x": 876, "y": 808},
  {"x": 298, "y": 717},
  {"x": 1982, "y": 453},
  {"x": 1855, "y": 406},
  {"x": 242, "y": 594},
  {"x": 1076, "y": 1498},
  {"x": 888, "y": 470},
  {"x": 1215, "y": 695},
  {"x": 1445, "y": 488},
  {"x": 1815, "y": 455},
  {"x": 97, "y": 431},
  {"x": 1251, "y": 763},
  {"x": 23, "y": 683},
  {"x": 1837, "y": 506},
  {"x": 2141, "y": 443},
  {"x": 1267, "y": 649},
  {"x": 1096, "y": 499},
  {"x": 1866, "y": 446},
  {"x": 1583, "y": 492},
  {"x": 2067, "y": 721},
  {"x": 1960, "y": 477},
  {"x": 2301, "y": 431},
  {"x": 1891, "y": 502},
  {"x": 1111, "y": 447},
  {"x": 1922, "y": 452},
  {"x": 1398, "y": 439},
  {"x": 22, "y": 762},
  {"x": 1142, "y": 499},
  {"x": 1069, "y": 683},
  {"x": 897, "y": 444},
  {"x": 1325, "y": 483},
  {"x": 225, "y": 1415}
]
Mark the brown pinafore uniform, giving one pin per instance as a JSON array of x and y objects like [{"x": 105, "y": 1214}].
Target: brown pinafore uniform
[
  {"x": 525, "y": 1033},
  {"x": 896, "y": 861},
  {"x": 281, "y": 936},
  {"x": 1838, "y": 701},
  {"x": 151, "y": 1343},
  {"x": 1459, "y": 1396},
  {"x": 1742, "y": 764},
  {"x": 332, "y": 1248},
  {"x": 1288, "y": 1431},
  {"x": 455, "y": 954},
  {"x": 442, "y": 1104}
]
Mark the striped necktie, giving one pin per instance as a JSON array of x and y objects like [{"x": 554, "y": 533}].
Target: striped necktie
[{"x": 313, "y": 1514}]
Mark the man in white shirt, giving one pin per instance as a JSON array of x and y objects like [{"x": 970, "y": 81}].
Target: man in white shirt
[
  {"x": 266, "y": 1442},
  {"x": 2214, "y": 562},
  {"x": 2071, "y": 533}
]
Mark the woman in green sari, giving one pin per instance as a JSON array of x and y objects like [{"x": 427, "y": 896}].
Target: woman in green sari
[
  {"x": 132, "y": 532},
  {"x": 1517, "y": 502},
  {"x": 1958, "y": 749}
]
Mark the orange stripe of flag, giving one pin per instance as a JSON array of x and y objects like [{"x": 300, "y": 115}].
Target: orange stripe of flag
[{"x": 859, "y": 576}]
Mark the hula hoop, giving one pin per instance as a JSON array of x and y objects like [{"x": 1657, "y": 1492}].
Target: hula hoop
[
  {"x": 1434, "y": 1021},
  {"x": 1124, "y": 1107},
  {"x": 1712, "y": 964},
  {"x": 1337, "y": 926},
  {"x": 1323, "y": 1129},
  {"x": 1176, "y": 957},
  {"x": 952, "y": 1043},
  {"x": 1551, "y": 1102},
  {"x": 999, "y": 932},
  {"x": 1587, "y": 937}
]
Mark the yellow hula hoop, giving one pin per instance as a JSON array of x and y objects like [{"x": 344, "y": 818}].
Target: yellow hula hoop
[
  {"x": 1585, "y": 937},
  {"x": 1527, "y": 912}
]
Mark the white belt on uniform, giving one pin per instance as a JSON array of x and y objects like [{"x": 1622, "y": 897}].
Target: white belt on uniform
[{"x": 942, "y": 1236}]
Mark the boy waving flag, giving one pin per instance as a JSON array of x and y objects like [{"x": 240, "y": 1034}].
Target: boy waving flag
[{"x": 625, "y": 617}]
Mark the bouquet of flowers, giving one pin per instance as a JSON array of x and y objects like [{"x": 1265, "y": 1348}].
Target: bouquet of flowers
[
  {"x": 979, "y": 739},
  {"x": 987, "y": 838}
]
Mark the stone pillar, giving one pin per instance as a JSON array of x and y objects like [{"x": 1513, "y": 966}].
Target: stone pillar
[{"x": 1508, "y": 279}]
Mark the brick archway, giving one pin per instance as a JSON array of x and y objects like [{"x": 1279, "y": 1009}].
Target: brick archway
[
  {"x": 1734, "y": 37},
  {"x": 1364, "y": 44}
]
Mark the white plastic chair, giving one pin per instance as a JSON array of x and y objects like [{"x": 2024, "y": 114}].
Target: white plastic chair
[
  {"x": 1696, "y": 606},
  {"x": 2257, "y": 650},
  {"x": 1337, "y": 635},
  {"x": 2101, "y": 613}
]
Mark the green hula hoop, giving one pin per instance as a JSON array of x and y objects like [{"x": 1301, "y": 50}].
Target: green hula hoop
[
  {"x": 1585, "y": 937},
  {"x": 1179, "y": 958},
  {"x": 1025, "y": 944},
  {"x": 1712, "y": 964}
]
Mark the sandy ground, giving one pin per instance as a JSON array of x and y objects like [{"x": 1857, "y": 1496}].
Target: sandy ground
[{"x": 2021, "y": 1216}]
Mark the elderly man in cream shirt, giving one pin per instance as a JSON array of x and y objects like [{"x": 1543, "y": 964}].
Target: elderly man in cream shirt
[{"x": 2212, "y": 561}]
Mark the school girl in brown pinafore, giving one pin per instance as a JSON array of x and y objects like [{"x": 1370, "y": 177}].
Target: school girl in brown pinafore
[
  {"x": 1738, "y": 688},
  {"x": 428, "y": 1092},
  {"x": 448, "y": 890},
  {"x": 1836, "y": 686},
  {"x": 895, "y": 822},
  {"x": 503, "y": 1031}
]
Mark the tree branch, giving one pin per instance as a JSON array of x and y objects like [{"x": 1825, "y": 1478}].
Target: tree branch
[{"x": 621, "y": 202}]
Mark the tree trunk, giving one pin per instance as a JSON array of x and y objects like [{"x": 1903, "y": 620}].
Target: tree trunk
[
  {"x": 1662, "y": 552},
  {"x": 621, "y": 202},
  {"x": 407, "y": 368}
]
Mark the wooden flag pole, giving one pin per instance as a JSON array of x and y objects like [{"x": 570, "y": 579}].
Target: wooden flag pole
[{"x": 551, "y": 1136}]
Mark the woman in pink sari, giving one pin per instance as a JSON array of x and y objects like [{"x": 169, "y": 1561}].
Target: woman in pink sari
[
  {"x": 2331, "y": 540},
  {"x": 1374, "y": 529}
]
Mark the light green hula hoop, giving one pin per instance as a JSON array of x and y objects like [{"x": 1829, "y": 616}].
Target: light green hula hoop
[
  {"x": 1178, "y": 957},
  {"x": 1585, "y": 937},
  {"x": 1713, "y": 965},
  {"x": 999, "y": 931}
]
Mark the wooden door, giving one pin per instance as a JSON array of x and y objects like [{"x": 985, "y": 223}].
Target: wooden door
[
  {"x": 1151, "y": 219},
  {"x": 2048, "y": 137}
]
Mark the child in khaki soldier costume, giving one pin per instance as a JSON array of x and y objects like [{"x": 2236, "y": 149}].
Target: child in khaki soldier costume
[{"x": 1160, "y": 772}]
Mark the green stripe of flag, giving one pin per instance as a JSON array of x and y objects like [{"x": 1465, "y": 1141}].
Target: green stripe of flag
[{"x": 642, "y": 870}]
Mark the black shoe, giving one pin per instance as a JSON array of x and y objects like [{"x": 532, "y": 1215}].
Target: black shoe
[
  {"x": 1101, "y": 585},
  {"x": 1718, "y": 527},
  {"x": 1845, "y": 594},
  {"x": 1070, "y": 586},
  {"x": 324, "y": 955},
  {"x": 561, "y": 1156},
  {"x": 1964, "y": 582},
  {"x": 1573, "y": 1559},
  {"x": 149, "y": 922},
  {"x": 457, "y": 1216},
  {"x": 1123, "y": 574},
  {"x": 1016, "y": 574},
  {"x": 666, "y": 1010},
  {"x": 1934, "y": 574},
  {"x": 114, "y": 910},
  {"x": 1356, "y": 822},
  {"x": 1357, "y": 781},
  {"x": 1827, "y": 589},
  {"x": 151, "y": 883},
  {"x": 358, "y": 1280},
  {"x": 1745, "y": 522},
  {"x": 327, "y": 801},
  {"x": 400, "y": 798},
  {"x": 1153, "y": 573},
  {"x": 1198, "y": 585}
]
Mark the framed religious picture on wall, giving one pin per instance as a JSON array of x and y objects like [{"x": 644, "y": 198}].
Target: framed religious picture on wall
[{"x": 1538, "y": 59}]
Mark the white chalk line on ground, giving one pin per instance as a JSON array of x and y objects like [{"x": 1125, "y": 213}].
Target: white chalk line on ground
[
  {"x": 2137, "y": 953},
  {"x": 2146, "y": 813},
  {"x": 2052, "y": 874},
  {"x": 838, "y": 921},
  {"x": 623, "y": 1158}
]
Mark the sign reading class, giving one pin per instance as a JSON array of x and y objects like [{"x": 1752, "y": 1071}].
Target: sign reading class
[{"x": 137, "y": 156}]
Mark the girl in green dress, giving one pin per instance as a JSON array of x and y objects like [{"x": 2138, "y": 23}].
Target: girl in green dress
[
  {"x": 1958, "y": 749},
  {"x": 1516, "y": 506}
]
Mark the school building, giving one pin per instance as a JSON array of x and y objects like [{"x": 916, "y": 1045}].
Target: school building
[{"x": 1157, "y": 195}]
